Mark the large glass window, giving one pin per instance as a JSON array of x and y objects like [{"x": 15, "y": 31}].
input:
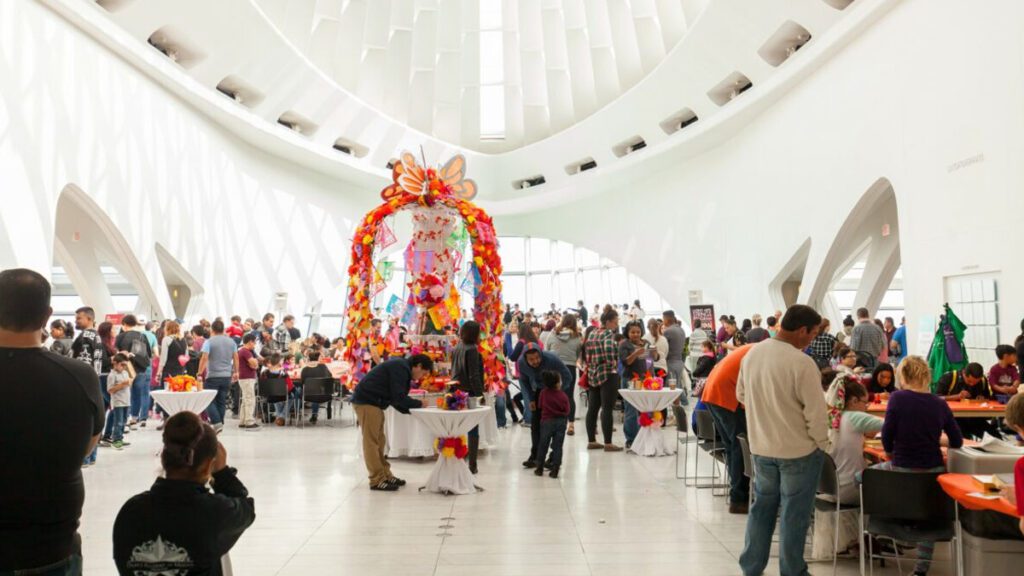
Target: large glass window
[{"x": 492, "y": 71}]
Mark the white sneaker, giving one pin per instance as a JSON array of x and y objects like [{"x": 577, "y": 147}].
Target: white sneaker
[{"x": 218, "y": 427}]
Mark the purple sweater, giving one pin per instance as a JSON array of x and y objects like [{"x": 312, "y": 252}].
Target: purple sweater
[{"x": 914, "y": 421}]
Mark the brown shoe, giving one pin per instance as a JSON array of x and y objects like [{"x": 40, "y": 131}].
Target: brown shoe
[
  {"x": 279, "y": 421},
  {"x": 612, "y": 448},
  {"x": 595, "y": 446},
  {"x": 571, "y": 431}
]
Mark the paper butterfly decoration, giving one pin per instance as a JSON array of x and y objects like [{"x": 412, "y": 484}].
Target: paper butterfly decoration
[{"x": 410, "y": 177}]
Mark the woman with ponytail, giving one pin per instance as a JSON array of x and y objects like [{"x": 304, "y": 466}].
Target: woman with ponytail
[{"x": 179, "y": 526}]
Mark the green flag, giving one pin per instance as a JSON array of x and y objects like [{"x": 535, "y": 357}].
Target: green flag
[{"x": 948, "y": 352}]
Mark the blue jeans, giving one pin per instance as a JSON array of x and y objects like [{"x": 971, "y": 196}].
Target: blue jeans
[
  {"x": 140, "y": 395},
  {"x": 527, "y": 396},
  {"x": 789, "y": 484},
  {"x": 70, "y": 566},
  {"x": 730, "y": 425},
  {"x": 631, "y": 418},
  {"x": 118, "y": 416},
  {"x": 499, "y": 409},
  {"x": 218, "y": 408},
  {"x": 552, "y": 435}
]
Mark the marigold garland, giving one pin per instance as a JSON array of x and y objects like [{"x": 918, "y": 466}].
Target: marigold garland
[{"x": 487, "y": 309}]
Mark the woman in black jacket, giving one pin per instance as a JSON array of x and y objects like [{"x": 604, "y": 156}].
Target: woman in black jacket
[
  {"x": 468, "y": 371},
  {"x": 178, "y": 526}
]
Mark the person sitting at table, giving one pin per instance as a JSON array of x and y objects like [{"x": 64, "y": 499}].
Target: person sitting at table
[
  {"x": 847, "y": 361},
  {"x": 178, "y": 526},
  {"x": 850, "y": 424},
  {"x": 1003, "y": 376},
  {"x": 915, "y": 420},
  {"x": 386, "y": 384},
  {"x": 275, "y": 369},
  {"x": 313, "y": 369},
  {"x": 1015, "y": 421},
  {"x": 969, "y": 384},
  {"x": 468, "y": 371},
  {"x": 883, "y": 380}
]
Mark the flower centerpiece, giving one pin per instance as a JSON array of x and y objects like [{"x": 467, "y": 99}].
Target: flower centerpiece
[
  {"x": 650, "y": 419},
  {"x": 452, "y": 447},
  {"x": 652, "y": 382},
  {"x": 183, "y": 383},
  {"x": 433, "y": 383},
  {"x": 454, "y": 400}
]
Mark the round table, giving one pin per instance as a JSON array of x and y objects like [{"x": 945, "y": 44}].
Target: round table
[
  {"x": 451, "y": 475},
  {"x": 174, "y": 402},
  {"x": 649, "y": 440},
  {"x": 409, "y": 438}
]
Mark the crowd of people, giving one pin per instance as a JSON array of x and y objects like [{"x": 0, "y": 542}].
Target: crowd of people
[{"x": 788, "y": 386}]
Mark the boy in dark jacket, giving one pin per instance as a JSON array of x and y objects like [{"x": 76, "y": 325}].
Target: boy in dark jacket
[{"x": 554, "y": 409}]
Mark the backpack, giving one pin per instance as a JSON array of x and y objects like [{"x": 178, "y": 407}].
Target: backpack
[{"x": 139, "y": 347}]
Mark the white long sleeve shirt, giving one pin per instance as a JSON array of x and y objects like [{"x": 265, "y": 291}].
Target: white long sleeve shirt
[{"x": 786, "y": 412}]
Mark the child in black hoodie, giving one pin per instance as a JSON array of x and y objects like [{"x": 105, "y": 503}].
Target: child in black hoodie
[{"x": 178, "y": 526}]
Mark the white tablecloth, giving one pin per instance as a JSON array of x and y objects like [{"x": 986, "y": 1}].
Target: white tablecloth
[
  {"x": 451, "y": 475},
  {"x": 409, "y": 438},
  {"x": 649, "y": 440},
  {"x": 174, "y": 402}
]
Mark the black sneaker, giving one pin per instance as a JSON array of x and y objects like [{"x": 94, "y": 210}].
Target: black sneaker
[
  {"x": 398, "y": 481},
  {"x": 385, "y": 486},
  {"x": 539, "y": 471},
  {"x": 105, "y": 442},
  {"x": 554, "y": 472},
  {"x": 529, "y": 464}
]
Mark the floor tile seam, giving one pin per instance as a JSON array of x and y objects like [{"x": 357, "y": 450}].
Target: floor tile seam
[{"x": 306, "y": 540}]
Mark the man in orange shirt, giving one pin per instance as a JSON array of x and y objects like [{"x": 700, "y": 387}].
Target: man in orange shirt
[{"x": 730, "y": 421}]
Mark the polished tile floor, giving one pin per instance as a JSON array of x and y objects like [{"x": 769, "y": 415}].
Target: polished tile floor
[{"x": 608, "y": 514}]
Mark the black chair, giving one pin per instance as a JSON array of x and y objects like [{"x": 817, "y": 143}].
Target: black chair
[
  {"x": 682, "y": 438},
  {"x": 316, "y": 390},
  {"x": 827, "y": 500},
  {"x": 268, "y": 391},
  {"x": 709, "y": 442},
  {"x": 748, "y": 465},
  {"x": 905, "y": 507}
]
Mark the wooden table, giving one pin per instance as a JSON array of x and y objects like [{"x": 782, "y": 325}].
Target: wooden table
[{"x": 990, "y": 409}]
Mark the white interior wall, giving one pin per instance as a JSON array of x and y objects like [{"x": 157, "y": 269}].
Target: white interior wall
[
  {"x": 935, "y": 109},
  {"x": 244, "y": 224}
]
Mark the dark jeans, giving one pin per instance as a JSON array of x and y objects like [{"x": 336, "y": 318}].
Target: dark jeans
[
  {"x": 140, "y": 395},
  {"x": 70, "y": 566},
  {"x": 535, "y": 426},
  {"x": 730, "y": 425},
  {"x": 218, "y": 408},
  {"x": 602, "y": 399},
  {"x": 570, "y": 390},
  {"x": 118, "y": 416},
  {"x": 552, "y": 435}
]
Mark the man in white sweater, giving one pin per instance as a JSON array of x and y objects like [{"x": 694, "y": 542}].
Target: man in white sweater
[{"x": 787, "y": 426}]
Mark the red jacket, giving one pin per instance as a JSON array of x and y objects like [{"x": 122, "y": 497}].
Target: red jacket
[{"x": 553, "y": 404}]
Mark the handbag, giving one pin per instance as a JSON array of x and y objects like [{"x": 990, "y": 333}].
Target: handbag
[{"x": 583, "y": 382}]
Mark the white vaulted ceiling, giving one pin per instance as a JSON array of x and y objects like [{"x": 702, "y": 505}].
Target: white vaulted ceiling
[
  {"x": 595, "y": 91},
  {"x": 420, "y": 61}
]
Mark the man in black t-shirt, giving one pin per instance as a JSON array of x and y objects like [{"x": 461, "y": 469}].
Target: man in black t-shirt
[{"x": 41, "y": 488}]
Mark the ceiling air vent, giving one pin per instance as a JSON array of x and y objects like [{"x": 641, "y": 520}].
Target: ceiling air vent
[
  {"x": 172, "y": 43},
  {"x": 529, "y": 182},
  {"x": 629, "y": 146},
  {"x": 351, "y": 148},
  {"x": 678, "y": 121},
  {"x": 839, "y": 4},
  {"x": 789, "y": 38},
  {"x": 581, "y": 166},
  {"x": 297, "y": 123},
  {"x": 240, "y": 91},
  {"x": 113, "y": 5},
  {"x": 730, "y": 88}
]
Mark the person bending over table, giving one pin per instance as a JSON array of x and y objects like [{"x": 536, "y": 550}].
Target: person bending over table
[
  {"x": 178, "y": 526},
  {"x": 969, "y": 384},
  {"x": 533, "y": 362},
  {"x": 386, "y": 384}
]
